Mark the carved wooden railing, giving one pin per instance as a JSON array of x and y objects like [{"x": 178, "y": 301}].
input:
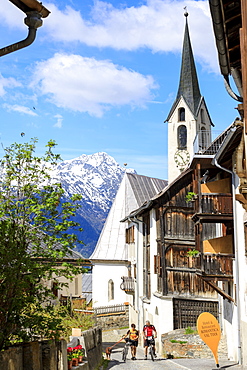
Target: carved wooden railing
[
  {"x": 215, "y": 264},
  {"x": 128, "y": 284},
  {"x": 208, "y": 264},
  {"x": 216, "y": 203}
]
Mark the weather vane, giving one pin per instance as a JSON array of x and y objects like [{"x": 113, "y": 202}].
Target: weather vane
[{"x": 185, "y": 12}]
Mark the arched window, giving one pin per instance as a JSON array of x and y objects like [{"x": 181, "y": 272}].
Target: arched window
[
  {"x": 202, "y": 116},
  {"x": 181, "y": 114},
  {"x": 182, "y": 137},
  {"x": 203, "y": 138},
  {"x": 110, "y": 290}
]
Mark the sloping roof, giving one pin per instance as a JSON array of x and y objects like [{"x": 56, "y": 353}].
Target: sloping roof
[
  {"x": 133, "y": 191},
  {"x": 145, "y": 187}
]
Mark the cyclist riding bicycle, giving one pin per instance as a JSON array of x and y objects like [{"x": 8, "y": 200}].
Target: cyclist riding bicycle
[
  {"x": 149, "y": 333},
  {"x": 133, "y": 335}
]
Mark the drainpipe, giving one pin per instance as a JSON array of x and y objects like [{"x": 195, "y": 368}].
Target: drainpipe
[
  {"x": 229, "y": 89},
  {"x": 215, "y": 162},
  {"x": 33, "y": 21}
]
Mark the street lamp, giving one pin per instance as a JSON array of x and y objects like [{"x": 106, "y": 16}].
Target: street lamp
[{"x": 34, "y": 12}]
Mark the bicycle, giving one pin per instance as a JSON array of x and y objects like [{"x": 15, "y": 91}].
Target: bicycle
[
  {"x": 126, "y": 349},
  {"x": 151, "y": 346}
]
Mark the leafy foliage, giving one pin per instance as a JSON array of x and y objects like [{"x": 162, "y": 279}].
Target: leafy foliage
[
  {"x": 34, "y": 242},
  {"x": 189, "y": 330},
  {"x": 190, "y": 196},
  {"x": 77, "y": 320}
]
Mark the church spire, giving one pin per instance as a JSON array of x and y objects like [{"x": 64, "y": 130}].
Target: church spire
[{"x": 188, "y": 83}]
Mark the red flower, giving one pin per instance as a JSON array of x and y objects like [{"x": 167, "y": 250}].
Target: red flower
[{"x": 69, "y": 349}]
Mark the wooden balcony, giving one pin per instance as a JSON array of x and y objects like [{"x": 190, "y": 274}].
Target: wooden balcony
[
  {"x": 219, "y": 267},
  {"x": 211, "y": 206},
  {"x": 128, "y": 284},
  {"x": 211, "y": 266}
]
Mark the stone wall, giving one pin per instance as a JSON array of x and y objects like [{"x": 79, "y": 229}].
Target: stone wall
[
  {"x": 51, "y": 355},
  {"x": 113, "y": 321},
  {"x": 191, "y": 345},
  {"x": 45, "y": 355}
]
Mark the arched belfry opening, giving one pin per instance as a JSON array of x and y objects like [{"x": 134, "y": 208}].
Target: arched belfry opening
[
  {"x": 181, "y": 114},
  {"x": 182, "y": 137}
]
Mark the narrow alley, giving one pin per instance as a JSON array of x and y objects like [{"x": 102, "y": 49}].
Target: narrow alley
[{"x": 113, "y": 336}]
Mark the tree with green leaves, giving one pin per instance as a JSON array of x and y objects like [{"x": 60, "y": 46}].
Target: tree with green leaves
[{"x": 35, "y": 245}]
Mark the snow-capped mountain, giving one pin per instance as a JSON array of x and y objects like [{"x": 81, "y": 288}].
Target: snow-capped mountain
[{"x": 97, "y": 178}]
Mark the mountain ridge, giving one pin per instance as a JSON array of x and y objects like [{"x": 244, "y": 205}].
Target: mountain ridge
[{"x": 97, "y": 178}]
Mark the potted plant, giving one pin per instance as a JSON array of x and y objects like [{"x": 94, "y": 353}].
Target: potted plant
[
  {"x": 191, "y": 253},
  {"x": 69, "y": 357},
  {"x": 75, "y": 357},
  {"x": 190, "y": 197},
  {"x": 80, "y": 352}
]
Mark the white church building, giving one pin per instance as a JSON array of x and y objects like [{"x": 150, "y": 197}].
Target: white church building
[{"x": 112, "y": 259}]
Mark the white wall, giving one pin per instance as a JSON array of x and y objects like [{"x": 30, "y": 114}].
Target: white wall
[
  {"x": 234, "y": 316},
  {"x": 241, "y": 219},
  {"x": 193, "y": 125},
  {"x": 101, "y": 274},
  {"x": 190, "y": 123},
  {"x": 159, "y": 311}
]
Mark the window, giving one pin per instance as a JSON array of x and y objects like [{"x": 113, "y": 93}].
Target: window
[
  {"x": 181, "y": 114},
  {"x": 182, "y": 137},
  {"x": 76, "y": 286},
  {"x": 54, "y": 288},
  {"x": 110, "y": 290},
  {"x": 202, "y": 116},
  {"x": 129, "y": 235},
  {"x": 146, "y": 258}
]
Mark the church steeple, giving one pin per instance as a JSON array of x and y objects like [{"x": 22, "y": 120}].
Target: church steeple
[
  {"x": 188, "y": 83},
  {"x": 189, "y": 123}
]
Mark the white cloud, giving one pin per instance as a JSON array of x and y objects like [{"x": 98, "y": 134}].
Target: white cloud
[
  {"x": 90, "y": 85},
  {"x": 19, "y": 108},
  {"x": 7, "y": 83},
  {"x": 11, "y": 15},
  {"x": 59, "y": 122},
  {"x": 156, "y": 24}
]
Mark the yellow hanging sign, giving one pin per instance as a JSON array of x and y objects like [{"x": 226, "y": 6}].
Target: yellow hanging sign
[{"x": 209, "y": 330}]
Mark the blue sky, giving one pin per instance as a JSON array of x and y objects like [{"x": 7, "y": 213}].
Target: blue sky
[{"x": 101, "y": 76}]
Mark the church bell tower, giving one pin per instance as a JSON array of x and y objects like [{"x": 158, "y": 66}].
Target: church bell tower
[{"x": 189, "y": 123}]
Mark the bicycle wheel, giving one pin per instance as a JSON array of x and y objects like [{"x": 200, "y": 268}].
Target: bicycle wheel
[{"x": 151, "y": 351}]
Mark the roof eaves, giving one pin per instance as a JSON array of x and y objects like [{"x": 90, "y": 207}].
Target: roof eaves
[
  {"x": 149, "y": 204},
  {"x": 216, "y": 14}
]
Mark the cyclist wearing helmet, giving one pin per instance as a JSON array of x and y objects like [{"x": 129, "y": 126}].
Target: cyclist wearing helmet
[{"x": 149, "y": 333}]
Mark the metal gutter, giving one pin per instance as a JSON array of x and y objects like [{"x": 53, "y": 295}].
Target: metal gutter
[
  {"x": 29, "y": 5},
  {"x": 216, "y": 14},
  {"x": 221, "y": 44},
  {"x": 34, "y": 11}
]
